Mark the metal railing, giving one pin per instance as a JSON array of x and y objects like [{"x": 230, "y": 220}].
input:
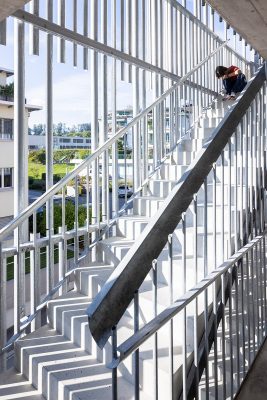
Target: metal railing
[
  {"x": 151, "y": 68},
  {"x": 217, "y": 207},
  {"x": 96, "y": 215},
  {"x": 232, "y": 302}
]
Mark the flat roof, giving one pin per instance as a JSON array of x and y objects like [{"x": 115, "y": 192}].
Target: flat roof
[
  {"x": 30, "y": 107},
  {"x": 8, "y": 72}
]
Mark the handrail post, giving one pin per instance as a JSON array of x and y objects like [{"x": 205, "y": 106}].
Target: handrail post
[{"x": 3, "y": 310}]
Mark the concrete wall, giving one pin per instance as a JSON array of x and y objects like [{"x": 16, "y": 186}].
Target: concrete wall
[
  {"x": 6, "y": 202},
  {"x": 2, "y": 78},
  {"x": 7, "y": 161},
  {"x": 6, "y": 153}
]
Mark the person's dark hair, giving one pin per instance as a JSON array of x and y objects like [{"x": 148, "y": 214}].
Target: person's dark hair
[{"x": 220, "y": 71}]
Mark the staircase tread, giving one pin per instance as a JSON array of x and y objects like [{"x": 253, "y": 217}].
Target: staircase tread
[
  {"x": 150, "y": 197},
  {"x": 13, "y": 385},
  {"x": 118, "y": 240},
  {"x": 136, "y": 217}
]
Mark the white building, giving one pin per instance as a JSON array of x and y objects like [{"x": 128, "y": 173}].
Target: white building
[
  {"x": 7, "y": 146},
  {"x": 37, "y": 142}
]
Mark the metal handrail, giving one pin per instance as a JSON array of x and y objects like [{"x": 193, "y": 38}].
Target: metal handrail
[
  {"x": 59, "y": 185},
  {"x": 143, "y": 334},
  {"x": 119, "y": 289}
]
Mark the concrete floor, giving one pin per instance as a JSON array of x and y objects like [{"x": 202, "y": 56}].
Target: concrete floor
[{"x": 255, "y": 385}]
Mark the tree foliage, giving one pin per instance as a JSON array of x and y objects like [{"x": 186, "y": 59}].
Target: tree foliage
[{"x": 69, "y": 217}]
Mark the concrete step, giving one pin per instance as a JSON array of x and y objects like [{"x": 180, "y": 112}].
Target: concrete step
[
  {"x": 131, "y": 226},
  {"x": 13, "y": 385},
  {"x": 161, "y": 188},
  {"x": 147, "y": 205},
  {"x": 115, "y": 248},
  {"x": 170, "y": 172},
  {"x": 55, "y": 367}
]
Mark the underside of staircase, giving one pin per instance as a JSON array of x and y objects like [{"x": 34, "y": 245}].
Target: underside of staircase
[{"x": 61, "y": 360}]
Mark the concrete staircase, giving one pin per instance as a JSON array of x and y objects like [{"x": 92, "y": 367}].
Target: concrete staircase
[{"x": 60, "y": 360}]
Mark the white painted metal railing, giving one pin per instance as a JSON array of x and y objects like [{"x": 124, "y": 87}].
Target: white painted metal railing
[
  {"x": 218, "y": 208},
  {"x": 139, "y": 57},
  {"x": 171, "y": 106}
]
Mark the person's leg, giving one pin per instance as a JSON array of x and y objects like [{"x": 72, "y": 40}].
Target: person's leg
[
  {"x": 228, "y": 84},
  {"x": 239, "y": 83}
]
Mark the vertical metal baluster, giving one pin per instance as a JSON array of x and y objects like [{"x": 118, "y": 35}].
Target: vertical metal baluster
[
  {"x": 122, "y": 36},
  {"x": 65, "y": 242},
  {"x": 253, "y": 300},
  {"x": 136, "y": 105},
  {"x": 34, "y": 275},
  {"x": 251, "y": 172},
  {"x": 49, "y": 152},
  {"x": 229, "y": 252},
  {"x": 85, "y": 33},
  {"x": 246, "y": 121},
  {"x": 76, "y": 223},
  {"x": 171, "y": 344},
  {"x": 223, "y": 334},
  {"x": 155, "y": 61},
  {"x": 33, "y": 31},
  {"x": 114, "y": 370},
  {"x": 184, "y": 310},
  {"x": 136, "y": 353},
  {"x": 115, "y": 203},
  {"x": 206, "y": 308},
  {"x": 256, "y": 268},
  {"x": 20, "y": 170},
  {"x": 222, "y": 207},
  {"x": 155, "y": 345},
  {"x": 214, "y": 194},
  {"x": 235, "y": 193},
  {"x": 94, "y": 118},
  {"x": 61, "y": 22},
  {"x": 241, "y": 163},
  {"x": 143, "y": 96},
  {"x": 215, "y": 342},
  {"x": 230, "y": 273},
  {"x": 242, "y": 277},
  {"x": 75, "y": 30},
  {"x": 261, "y": 289},
  {"x": 255, "y": 174},
  {"x": 61, "y": 259},
  {"x": 129, "y": 25},
  {"x": 195, "y": 222},
  {"x": 3, "y": 308},
  {"x": 265, "y": 276},
  {"x": 104, "y": 125},
  {"x": 237, "y": 323},
  {"x": 248, "y": 307}
]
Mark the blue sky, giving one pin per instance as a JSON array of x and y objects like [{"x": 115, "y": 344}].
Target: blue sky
[{"x": 71, "y": 86}]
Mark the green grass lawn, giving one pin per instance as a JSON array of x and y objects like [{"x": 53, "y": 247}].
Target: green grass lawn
[{"x": 36, "y": 170}]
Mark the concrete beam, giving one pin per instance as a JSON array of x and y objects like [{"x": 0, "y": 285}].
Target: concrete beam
[
  {"x": 248, "y": 18},
  {"x": 7, "y": 7}
]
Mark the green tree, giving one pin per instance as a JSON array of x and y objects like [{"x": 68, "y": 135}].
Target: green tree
[{"x": 69, "y": 217}]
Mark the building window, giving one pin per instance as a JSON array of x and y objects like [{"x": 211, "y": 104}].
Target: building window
[
  {"x": 77, "y": 140},
  {"x": 64, "y": 140},
  {"x": 6, "y": 128},
  {"x": 6, "y": 177}
]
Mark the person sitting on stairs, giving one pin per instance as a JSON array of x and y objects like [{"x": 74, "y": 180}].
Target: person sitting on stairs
[{"x": 234, "y": 80}]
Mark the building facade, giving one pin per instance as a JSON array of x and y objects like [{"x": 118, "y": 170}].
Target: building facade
[
  {"x": 7, "y": 146},
  {"x": 37, "y": 142}
]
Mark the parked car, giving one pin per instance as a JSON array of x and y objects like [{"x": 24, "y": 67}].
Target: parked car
[{"x": 125, "y": 189}]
